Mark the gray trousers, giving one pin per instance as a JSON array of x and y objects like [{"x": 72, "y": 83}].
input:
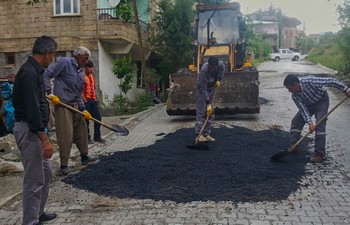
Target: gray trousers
[
  {"x": 37, "y": 173},
  {"x": 201, "y": 113},
  {"x": 70, "y": 128},
  {"x": 319, "y": 109}
]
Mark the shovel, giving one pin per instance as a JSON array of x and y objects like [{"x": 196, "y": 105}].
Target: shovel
[
  {"x": 202, "y": 145},
  {"x": 293, "y": 147},
  {"x": 118, "y": 129}
]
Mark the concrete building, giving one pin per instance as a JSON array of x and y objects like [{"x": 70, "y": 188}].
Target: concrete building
[
  {"x": 89, "y": 23},
  {"x": 280, "y": 33},
  {"x": 269, "y": 31}
]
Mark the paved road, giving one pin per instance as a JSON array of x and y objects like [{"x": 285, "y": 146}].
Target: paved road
[{"x": 323, "y": 196}]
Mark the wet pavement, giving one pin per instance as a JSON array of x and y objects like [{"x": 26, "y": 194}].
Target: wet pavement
[{"x": 322, "y": 195}]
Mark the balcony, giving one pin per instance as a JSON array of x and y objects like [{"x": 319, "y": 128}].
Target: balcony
[
  {"x": 120, "y": 36},
  {"x": 110, "y": 14}
]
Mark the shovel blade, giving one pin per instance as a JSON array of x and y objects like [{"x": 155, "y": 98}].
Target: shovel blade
[
  {"x": 199, "y": 146},
  {"x": 280, "y": 155},
  {"x": 120, "y": 130}
]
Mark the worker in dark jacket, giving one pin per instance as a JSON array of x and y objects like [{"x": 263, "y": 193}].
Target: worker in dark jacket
[
  {"x": 209, "y": 78},
  {"x": 32, "y": 116}
]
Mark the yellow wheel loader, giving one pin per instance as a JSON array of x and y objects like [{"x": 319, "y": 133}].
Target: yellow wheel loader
[{"x": 219, "y": 32}]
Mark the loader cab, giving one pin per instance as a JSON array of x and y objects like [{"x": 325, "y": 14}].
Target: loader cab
[
  {"x": 219, "y": 30},
  {"x": 218, "y": 26}
]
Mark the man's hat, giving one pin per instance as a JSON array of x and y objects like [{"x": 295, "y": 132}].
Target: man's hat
[
  {"x": 213, "y": 61},
  {"x": 89, "y": 64}
]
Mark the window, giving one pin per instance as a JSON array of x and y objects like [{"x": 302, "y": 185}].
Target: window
[
  {"x": 67, "y": 7},
  {"x": 10, "y": 58}
]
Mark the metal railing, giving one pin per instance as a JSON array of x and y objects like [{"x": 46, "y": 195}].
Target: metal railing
[{"x": 110, "y": 13}]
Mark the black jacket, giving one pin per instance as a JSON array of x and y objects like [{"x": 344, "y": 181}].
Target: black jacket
[{"x": 28, "y": 96}]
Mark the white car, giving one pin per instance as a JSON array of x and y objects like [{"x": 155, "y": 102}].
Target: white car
[{"x": 284, "y": 54}]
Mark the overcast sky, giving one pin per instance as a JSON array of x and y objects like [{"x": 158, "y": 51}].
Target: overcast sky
[{"x": 317, "y": 15}]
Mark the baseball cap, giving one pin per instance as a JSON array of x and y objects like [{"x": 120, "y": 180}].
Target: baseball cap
[{"x": 89, "y": 64}]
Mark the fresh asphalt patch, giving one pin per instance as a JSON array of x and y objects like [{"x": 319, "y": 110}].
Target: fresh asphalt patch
[{"x": 236, "y": 168}]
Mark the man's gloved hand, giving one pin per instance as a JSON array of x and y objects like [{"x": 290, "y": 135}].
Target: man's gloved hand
[
  {"x": 348, "y": 93},
  {"x": 312, "y": 127},
  {"x": 209, "y": 109},
  {"x": 55, "y": 100},
  {"x": 87, "y": 115},
  {"x": 217, "y": 84}
]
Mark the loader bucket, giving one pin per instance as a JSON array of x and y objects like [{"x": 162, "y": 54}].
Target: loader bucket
[{"x": 238, "y": 94}]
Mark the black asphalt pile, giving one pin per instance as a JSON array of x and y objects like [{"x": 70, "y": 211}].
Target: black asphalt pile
[{"x": 236, "y": 168}]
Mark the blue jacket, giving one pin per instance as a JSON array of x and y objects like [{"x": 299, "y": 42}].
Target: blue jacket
[
  {"x": 206, "y": 79},
  {"x": 69, "y": 81}
]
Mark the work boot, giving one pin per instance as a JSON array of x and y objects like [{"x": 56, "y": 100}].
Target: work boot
[
  {"x": 209, "y": 138},
  {"x": 99, "y": 139},
  {"x": 201, "y": 139},
  {"x": 85, "y": 159},
  {"x": 47, "y": 217},
  {"x": 317, "y": 158},
  {"x": 64, "y": 170}
]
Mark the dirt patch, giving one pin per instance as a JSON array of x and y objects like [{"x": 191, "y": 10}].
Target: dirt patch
[{"x": 236, "y": 167}]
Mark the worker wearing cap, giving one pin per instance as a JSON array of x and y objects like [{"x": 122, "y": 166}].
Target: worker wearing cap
[
  {"x": 89, "y": 98},
  {"x": 209, "y": 78}
]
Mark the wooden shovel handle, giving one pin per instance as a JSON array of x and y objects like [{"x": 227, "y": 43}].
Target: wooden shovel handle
[
  {"x": 81, "y": 113},
  {"x": 206, "y": 119}
]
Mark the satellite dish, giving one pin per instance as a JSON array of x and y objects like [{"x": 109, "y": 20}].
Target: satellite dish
[{"x": 113, "y": 3}]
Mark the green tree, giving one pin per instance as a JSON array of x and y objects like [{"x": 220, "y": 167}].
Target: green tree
[
  {"x": 256, "y": 44},
  {"x": 304, "y": 43},
  {"x": 344, "y": 34},
  {"x": 124, "y": 11},
  {"x": 171, "y": 39},
  {"x": 124, "y": 69},
  {"x": 344, "y": 47},
  {"x": 344, "y": 14}
]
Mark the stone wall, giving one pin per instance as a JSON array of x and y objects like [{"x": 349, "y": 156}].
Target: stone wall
[{"x": 20, "y": 24}]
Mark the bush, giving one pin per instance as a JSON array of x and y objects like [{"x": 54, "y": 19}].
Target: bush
[
  {"x": 122, "y": 106},
  {"x": 124, "y": 69},
  {"x": 142, "y": 103}
]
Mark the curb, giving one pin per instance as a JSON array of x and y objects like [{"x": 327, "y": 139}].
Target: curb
[
  {"x": 134, "y": 117},
  {"x": 8, "y": 199}
]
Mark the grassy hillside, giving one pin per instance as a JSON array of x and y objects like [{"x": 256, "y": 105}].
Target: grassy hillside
[{"x": 328, "y": 55}]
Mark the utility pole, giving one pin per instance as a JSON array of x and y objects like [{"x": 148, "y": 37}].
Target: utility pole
[{"x": 144, "y": 79}]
